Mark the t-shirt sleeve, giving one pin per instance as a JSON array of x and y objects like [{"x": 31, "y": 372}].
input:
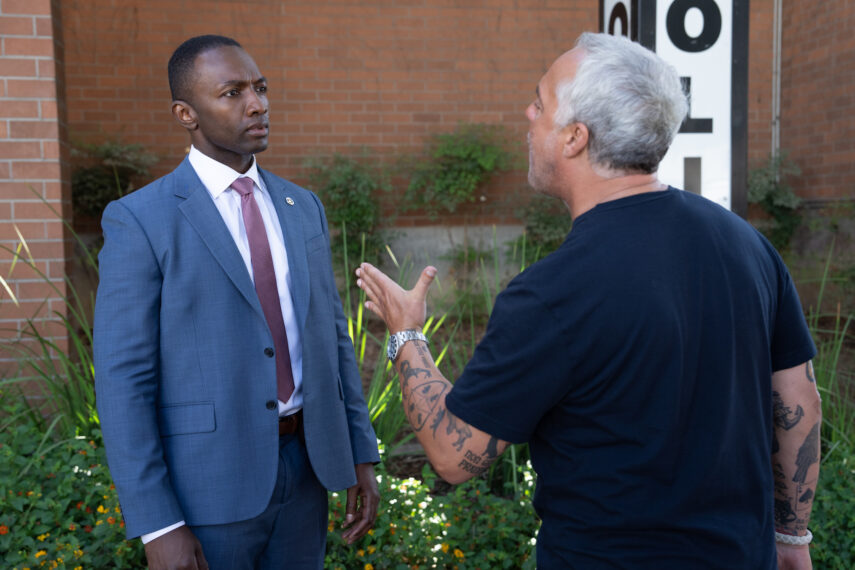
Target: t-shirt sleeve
[
  {"x": 791, "y": 340},
  {"x": 516, "y": 373}
]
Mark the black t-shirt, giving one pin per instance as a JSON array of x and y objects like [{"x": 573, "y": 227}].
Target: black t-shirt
[{"x": 636, "y": 360}]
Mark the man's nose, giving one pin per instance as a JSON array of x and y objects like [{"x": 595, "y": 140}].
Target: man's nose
[
  {"x": 257, "y": 103},
  {"x": 530, "y": 112}
]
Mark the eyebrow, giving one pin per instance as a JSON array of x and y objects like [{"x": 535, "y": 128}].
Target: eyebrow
[{"x": 239, "y": 82}]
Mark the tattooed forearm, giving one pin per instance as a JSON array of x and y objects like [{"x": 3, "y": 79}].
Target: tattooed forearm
[
  {"x": 461, "y": 429},
  {"x": 439, "y": 415},
  {"x": 422, "y": 400},
  {"x": 808, "y": 454},
  {"x": 783, "y": 416}
]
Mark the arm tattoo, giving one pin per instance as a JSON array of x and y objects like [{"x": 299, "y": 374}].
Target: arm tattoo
[
  {"x": 422, "y": 401},
  {"x": 784, "y": 513},
  {"x": 492, "y": 450},
  {"x": 808, "y": 454},
  {"x": 809, "y": 372},
  {"x": 463, "y": 431},
  {"x": 439, "y": 415},
  {"x": 783, "y": 416}
]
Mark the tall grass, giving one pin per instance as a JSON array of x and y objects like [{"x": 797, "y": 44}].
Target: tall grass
[
  {"x": 63, "y": 376},
  {"x": 837, "y": 387}
]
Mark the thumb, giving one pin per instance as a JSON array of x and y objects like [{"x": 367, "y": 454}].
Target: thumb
[{"x": 425, "y": 280}]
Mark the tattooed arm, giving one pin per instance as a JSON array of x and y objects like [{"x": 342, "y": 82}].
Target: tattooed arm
[
  {"x": 457, "y": 450},
  {"x": 797, "y": 417}
]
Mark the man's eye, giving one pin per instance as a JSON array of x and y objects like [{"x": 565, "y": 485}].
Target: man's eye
[
  {"x": 232, "y": 93},
  {"x": 261, "y": 89}
]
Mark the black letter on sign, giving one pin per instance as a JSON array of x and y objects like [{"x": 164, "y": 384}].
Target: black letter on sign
[
  {"x": 619, "y": 13},
  {"x": 691, "y": 125},
  {"x": 675, "y": 23}
]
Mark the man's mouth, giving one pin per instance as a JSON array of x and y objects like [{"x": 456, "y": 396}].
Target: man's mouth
[{"x": 258, "y": 129}]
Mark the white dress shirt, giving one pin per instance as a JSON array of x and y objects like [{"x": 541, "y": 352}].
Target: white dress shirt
[{"x": 217, "y": 179}]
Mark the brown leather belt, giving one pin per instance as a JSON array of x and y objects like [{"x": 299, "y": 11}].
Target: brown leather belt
[{"x": 290, "y": 424}]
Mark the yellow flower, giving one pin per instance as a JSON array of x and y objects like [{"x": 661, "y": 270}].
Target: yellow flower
[
  {"x": 458, "y": 553},
  {"x": 99, "y": 521},
  {"x": 78, "y": 568},
  {"x": 42, "y": 537},
  {"x": 331, "y": 526},
  {"x": 444, "y": 547},
  {"x": 369, "y": 567},
  {"x": 77, "y": 554},
  {"x": 360, "y": 552},
  {"x": 371, "y": 548},
  {"x": 118, "y": 510},
  {"x": 102, "y": 509},
  {"x": 371, "y": 532},
  {"x": 41, "y": 553}
]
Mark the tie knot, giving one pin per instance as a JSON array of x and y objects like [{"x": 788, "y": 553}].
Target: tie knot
[{"x": 243, "y": 186}]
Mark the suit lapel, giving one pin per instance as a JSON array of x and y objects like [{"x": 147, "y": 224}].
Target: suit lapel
[
  {"x": 295, "y": 244},
  {"x": 202, "y": 214}
]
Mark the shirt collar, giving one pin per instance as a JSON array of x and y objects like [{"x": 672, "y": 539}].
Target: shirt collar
[{"x": 216, "y": 176}]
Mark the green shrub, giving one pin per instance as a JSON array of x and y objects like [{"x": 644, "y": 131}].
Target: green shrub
[
  {"x": 348, "y": 188},
  {"x": 105, "y": 172},
  {"x": 59, "y": 508},
  {"x": 768, "y": 187},
  {"x": 468, "y": 528},
  {"x": 833, "y": 518},
  {"x": 547, "y": 223},
  {"x": 455, "y": 165}
]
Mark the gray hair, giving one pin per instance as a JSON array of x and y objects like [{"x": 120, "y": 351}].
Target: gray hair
[{"x": 629, "y": 98}]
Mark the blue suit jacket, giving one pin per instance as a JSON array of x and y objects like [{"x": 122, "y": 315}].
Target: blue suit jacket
[{"x": 185, "y": 392}]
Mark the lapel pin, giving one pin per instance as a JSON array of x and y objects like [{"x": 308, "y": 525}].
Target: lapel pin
[{"x": 289, "y": 200}]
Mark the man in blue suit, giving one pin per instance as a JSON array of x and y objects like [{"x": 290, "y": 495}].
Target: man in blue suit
[{"x": 226, "y": 422}]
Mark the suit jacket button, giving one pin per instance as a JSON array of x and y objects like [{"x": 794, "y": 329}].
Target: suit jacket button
[
  {"x": 268, "y": 352},
  {"x": 270, "y": 404}
]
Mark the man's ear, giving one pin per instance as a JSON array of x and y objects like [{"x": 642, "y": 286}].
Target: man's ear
[
  {"x": 185, "y": 115},
  {"x": 575, "y": 139}
]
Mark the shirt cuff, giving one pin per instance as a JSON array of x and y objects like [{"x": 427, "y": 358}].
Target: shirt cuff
[{"x": 146, "y": 538}]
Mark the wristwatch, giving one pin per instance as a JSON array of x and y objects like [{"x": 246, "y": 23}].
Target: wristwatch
[{"x": 397, "y": 340}]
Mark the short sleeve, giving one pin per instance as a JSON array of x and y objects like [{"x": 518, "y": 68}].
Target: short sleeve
[
  {"x": 791, "y": 340},
  {"x": 514, "y": 377}
]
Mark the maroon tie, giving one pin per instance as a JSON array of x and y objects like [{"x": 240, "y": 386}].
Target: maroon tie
[{"x": 265, "y": 285}]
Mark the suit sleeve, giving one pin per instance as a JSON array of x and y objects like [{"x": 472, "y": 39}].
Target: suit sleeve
[
  {"x": 362, "y": 437},
  {"x": 126, "y": 350}
]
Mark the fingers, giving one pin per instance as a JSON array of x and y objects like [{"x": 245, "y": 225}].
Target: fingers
[
  {"x": 424, "y": 282},
  {"x": 350, "y": 507}
]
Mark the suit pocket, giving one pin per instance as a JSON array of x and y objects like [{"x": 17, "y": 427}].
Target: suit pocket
[
  {"x": 315, "y": 243},
  {"x": 181, "y": 419}
]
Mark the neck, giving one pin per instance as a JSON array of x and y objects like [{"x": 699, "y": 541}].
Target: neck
[{"x": 599, "y": 190}]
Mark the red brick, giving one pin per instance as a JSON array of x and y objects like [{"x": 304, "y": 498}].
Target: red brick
[
  {"x": 31, "y": 88},
  {"x": 47, "y": 68},
  {"x": 44, "y": 26},
  {"x": 16, "y": 26},
  {"x": 20, "y": 149},
  {"x": 41, "y": 47},
  {"x": 36, "y": 170},
  {"x": 33, "y": 129},
  {"x": 31, "y": 7},
  {"x": 3, "y": 130},
  {"x": 19, "y": 109}
]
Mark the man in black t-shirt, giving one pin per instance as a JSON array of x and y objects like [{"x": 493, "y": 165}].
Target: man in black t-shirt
[{"x": 658, "y": 363}]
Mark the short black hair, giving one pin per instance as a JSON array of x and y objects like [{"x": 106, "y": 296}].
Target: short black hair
[{"x": 181, "y": 62}]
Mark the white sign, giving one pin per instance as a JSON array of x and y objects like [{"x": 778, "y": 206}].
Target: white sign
[
  {"x": 696, "y": 37},
  {"x": 619, "y": 18}
]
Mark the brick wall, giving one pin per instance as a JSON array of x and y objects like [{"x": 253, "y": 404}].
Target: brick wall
[
  {"x": 343, "y": 74},
  {"x": 33, "y": 167},
  {"x": 818, "y": 103}
]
